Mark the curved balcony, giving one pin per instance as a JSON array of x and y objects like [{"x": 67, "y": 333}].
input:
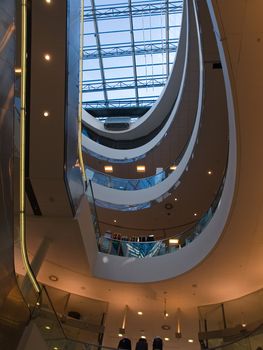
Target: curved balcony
[
  {"x": 161, "y": 109},
  {"x": 115, "y": 198},
  {"x": 147, "y": 246},
  {"x": 178, "y": 101},
  {"x": 161, "y": 267}
]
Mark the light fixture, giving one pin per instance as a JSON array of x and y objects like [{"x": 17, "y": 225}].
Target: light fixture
[
  {"x": 173, "y": 167},
  {"x": 108, "y": 168},
  {"x": 190, "y": 340},
  {"x": 123, "y": 326},
  {"x": 143, "y": 336},
  {"x": 47, "y": 327},
  {"x": 178, "y": 332},
  {"x": 140, "y": 313},
  {"x": 140, "y": 168},
  {"x": 176, "y": 199},
  {"x": 165, "y": 313},
  {"x": 48, "y": 1},
  {"x": 37, "y": 303},
  {"x": 55, "y": 348},
  {"x": 173, "y": 241},
  {"x": 46, "y": 114},
  {"x": 166, "y": 339},
  {"x": 53, "y": 278},
  {"x": 115, "y": 221},
  {"x": 244, "y": 325},
  {"x": 209, "y": 172},
  {"x": 195, "y": 214},
  {"x": 47, "y": 57},
  {"x": 119, "y": 335},
  {"x": 18, "y": 70}
]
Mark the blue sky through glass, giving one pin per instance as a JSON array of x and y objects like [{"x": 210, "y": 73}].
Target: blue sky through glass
[{"x": 126, "y": 47}]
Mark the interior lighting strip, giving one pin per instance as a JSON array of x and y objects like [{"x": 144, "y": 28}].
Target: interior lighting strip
[
  {"x": 22, "y": 231},
  {"x": 81, "y": 162}
]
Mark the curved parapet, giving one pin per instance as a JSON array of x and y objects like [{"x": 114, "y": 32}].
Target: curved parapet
[
  {"x": 133, "y": 198},
  {"x": 175, "y": 95},
  {"x": 162, "y": 107},
  {"x": 157, "y": 268}
]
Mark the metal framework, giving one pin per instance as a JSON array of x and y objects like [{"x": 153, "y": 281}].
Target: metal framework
[
  {"x": 138, "y": 8},
  {"x": 128, "y": 83},
  {"x": 105, "y": 60}
]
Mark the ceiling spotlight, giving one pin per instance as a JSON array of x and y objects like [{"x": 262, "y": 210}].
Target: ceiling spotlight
[
  {"x": 209, "y": 172},
  {"x": 244, "y": 325},
  {"x": 47, "y": 57},
  {"x": 46, "y": 114},
  {"x": 173, "y": 241},
  {"x": 119, "y": 335},
  {"x": 166, "y": 339},
  {"x": 37, "y": 303},
  {"x": 140, "y": 313},
  {"x": 143, "y": 337},
  {"x": 176, "y": 199},
  {"x": 53, "y": 278},
  {"x": 190, "y": 340},
  {"x": 115, "y": 221},
  {"x": 195, "y": 214},
  {"x": 108, "y": 168},
  {"x": 55, "y": 348},
  {"x": 140, "y": 168},
  {"x": 47, "y": 327},
  {"x": 48, "y": 1}
]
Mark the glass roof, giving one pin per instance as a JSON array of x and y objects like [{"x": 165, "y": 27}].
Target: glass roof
[{"x": 129, "y": 48}]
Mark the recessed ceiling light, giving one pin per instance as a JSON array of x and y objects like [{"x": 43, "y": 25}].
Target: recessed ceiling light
[
  {"x": 173, "y": 167},
  {"x": 140, "y": 168},
  {"x": 173, "y": 240},
  {"x": 244, "y": 325},
  {"x": 48, "y": 1},
  {"x": 55, "y": 348},
  {"x": 166, "y": 339},
  {"x": 140, "y": 313},
  {"x": 108, "y": 168},
  {"x": 176, "y": 199},
  {"x": 46, "y": 114},
  {"x": 18, "y": 70},
  {"x": 209, "y": 172},
  {"x": 47, "y": 57},
  {"x": 143, "y": 337},
  {"x": 195, "y": 214},
  {"x": 53, "y": 278},
  {"x": 37, "y": 303},
  {"x": 190, "y": 340},
  {"x": 47, "y": 327},
  {"x": 115, "y": 221},
  {"x": 119, "y": 335}
]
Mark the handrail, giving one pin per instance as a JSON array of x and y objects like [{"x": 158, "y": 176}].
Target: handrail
[
  {"x": 81, "y": 162},
  {"x": 23, "y": 146},
  {"x": 242, "y": 336}
]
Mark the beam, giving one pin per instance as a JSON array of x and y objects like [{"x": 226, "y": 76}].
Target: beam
[
  {"x": 105, "y": 94},
  {"x": 133, "y": 53},
  {"x": 139, "y": 9},
  {"x": 167, "y": 38}
]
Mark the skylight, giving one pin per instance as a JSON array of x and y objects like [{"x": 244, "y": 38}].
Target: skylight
[{"x": 129, "y": 48}]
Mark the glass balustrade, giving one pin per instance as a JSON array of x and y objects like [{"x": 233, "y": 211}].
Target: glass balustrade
[
  {"x": 130, "y": 184},
  {"x": 234, "y": 324},
  {"x": 147, "y": 247}
]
